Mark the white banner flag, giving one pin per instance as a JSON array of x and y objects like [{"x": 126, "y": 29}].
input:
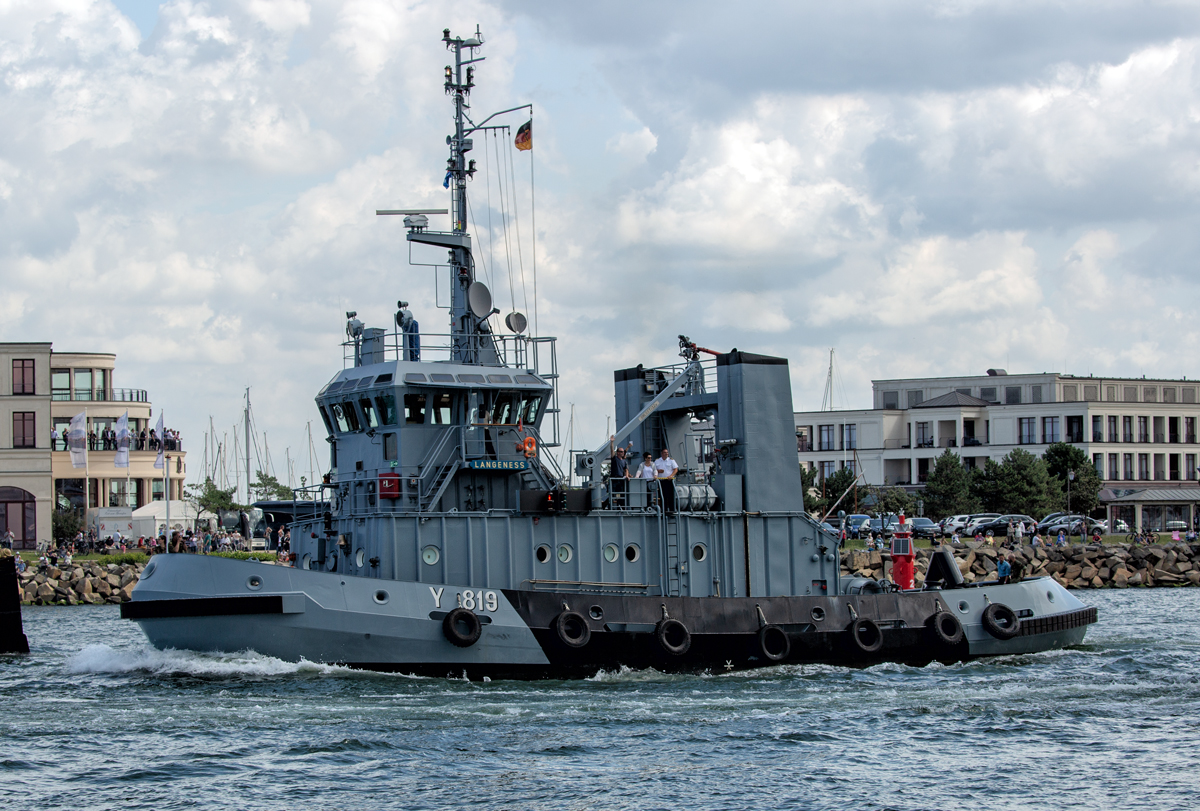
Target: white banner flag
[
  {"x": 159, "y": 463},
  {"x": 77, "y": 440},
  {"x": 122, "y": 457}
]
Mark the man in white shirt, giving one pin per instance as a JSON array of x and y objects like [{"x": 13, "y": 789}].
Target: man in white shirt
[{"x": 666, "y": 468}]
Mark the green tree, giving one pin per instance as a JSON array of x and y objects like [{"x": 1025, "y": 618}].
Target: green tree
[
  {"x": 65, "y": 524},
  {"x": 268, "y": 488},
  {"x": 1021, "y": 484},
  {"x": 811, "y": 488},
  {"x": 1061, "y": 458},
  {"x": 843, "y": 481},
  {"x": 893, "y": 501},
  {"x": 209, "y": 497},
  {"x": 948, "y": 487}
]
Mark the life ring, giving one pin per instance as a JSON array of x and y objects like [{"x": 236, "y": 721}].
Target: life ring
[
  {"x": 1001, "y": 621},
  {"x": 673, "y": 636},
  {"x": 530, "y": 445},
  {"x": 462, "y": 627},
  {"x": 774, "y": 643},
  {"x": 572, "y": 629},
  {"x": 946, "y": 628},
  {"x": 866, "y": 635}
]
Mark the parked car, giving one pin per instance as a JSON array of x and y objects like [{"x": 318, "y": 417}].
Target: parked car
[
  {"x": 924, "y": 528},
  {"x": 1071, "y": 524},
  {"x": 976, "y": 520},
  {"x": 854, "y": 524},
  {"x": 831, "y": 529},
  {"x": 954, "y": 522},
  {"x": 999, "y": 526}
]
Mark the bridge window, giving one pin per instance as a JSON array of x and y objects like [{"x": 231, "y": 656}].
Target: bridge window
[
  {"x": 442, "y": 412},
  {"x": 531, "y": 409},
  {"x": 369, "y": 412},
  {"x": 414, "y": 409},
  {"x": 386, "y": 403}
]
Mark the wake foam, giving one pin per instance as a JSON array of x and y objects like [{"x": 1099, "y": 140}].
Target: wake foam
[{"x": 105, "y": 659}]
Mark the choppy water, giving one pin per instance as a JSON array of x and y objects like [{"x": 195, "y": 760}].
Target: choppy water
[{"x": 96, "y": 719}]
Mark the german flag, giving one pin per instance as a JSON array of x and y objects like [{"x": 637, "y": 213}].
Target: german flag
[{"x": 524, "y": 140}]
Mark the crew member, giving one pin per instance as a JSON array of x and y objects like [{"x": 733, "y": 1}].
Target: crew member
[{"x": 666, "y": 468}]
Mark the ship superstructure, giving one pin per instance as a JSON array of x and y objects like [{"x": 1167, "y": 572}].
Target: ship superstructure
[{"x": 446, "y": 539}]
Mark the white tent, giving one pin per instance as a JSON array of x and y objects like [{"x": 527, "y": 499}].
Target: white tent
[{"x": 154, "y": 514}]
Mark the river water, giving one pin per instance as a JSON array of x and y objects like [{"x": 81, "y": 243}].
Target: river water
[{"x": 94, "y": 718}]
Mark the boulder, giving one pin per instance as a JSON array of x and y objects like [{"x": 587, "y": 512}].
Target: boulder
[
  {"x": 1079, "y": 583},
  {"x": 875, "y": 559},
  {"x": 114, "y": 580},
  {"x": 1073, "y": 571},
  {"x": 84, "y": 586},
  {"x": 1097, "y": 583},
  {"x": 1135, "y": 579},
  {"x": 126, "y": 592},
  {"x": 102, "y": 587},
  {"x": 127, "y": 578},
  {"x": 44, "y": 592},
  {"x": 1088, "y": 572},
  {"x": 1121, "y": 579},
  {"x": 1193, "y": 577}
]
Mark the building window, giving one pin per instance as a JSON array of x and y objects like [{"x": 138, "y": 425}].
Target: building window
[
  {"x": 1097, "y": 429},
  {"x": 826, "y": 438},
  {"x": 1075, "y": 429},
  {"x": 1049, "y": 429},
  {"x": 83, "y": 384},
  {"x": 1098, "y": 463},
  {"x": 24, "y": 430},
  {"x": 915, "y": 398},
  {"x": 849, "y": 437},
  {"x": 1127, "y": 429},
  {"x": 1070, "y": 393},
  {"x": 22, "y": 377},
  {"x": 1036, "y": 394},
  {"x": 1168, "y": 394},
  {"x": 1189, "y": 430},
  {"x": 102, "y": 385},
  {"x": 924, "y": 434},
  {"x": 891, "y": 399},
  {"x": 1128, "y": 459},
  {"x": 156, "y": 489},
  {"x": 850, "y": 466},
  {"x": 1160, "y": 434},
  {"x": 827, "y": 469},
  {"x": 1160, "y": 473},
  {"x": 1150, "y": 394},
  {"x": 1143, "y": 429},
  {"x": 1144, "y": 466},
  {"x": 1113, "y": 436},
  {"x": 1012, "y": 395},
  {"x": 1027, "y": 431},
  {"x": 1189, "y": 464},
  {"x": 988, "y": 393},
  {"x": 1173, "y": 430},
  {"x": 1114, "y": 472},
  {"x": 803, "y": 441},
  {"x": 60, "y": 384},
  {"x": 18, "y": 514}
]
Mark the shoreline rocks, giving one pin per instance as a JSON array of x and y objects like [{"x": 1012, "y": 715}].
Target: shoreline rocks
[
  {"x": 1080, "y": 566},
  {"x": 83, "y": 583}
]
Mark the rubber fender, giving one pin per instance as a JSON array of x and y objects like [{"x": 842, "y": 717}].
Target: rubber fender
[
  {"x": 673, "y": 636},
  {"x": 1001, "y": 621},
  {"x": 462, "y": 627},
  {"x": 866, "y": 635},
  {"x": 774, "y": 643},
  {"x": 572, "y": 629},
  {"x": 946, "y": 628}
]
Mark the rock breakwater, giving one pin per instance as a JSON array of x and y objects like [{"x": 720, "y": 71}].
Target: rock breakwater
[
  {"x": 83, "y": 583},
  {"x": 1082, "y": 566}
]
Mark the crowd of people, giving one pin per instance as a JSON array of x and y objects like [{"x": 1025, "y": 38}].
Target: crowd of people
[
  {"x": 106, "y": 440},
  {"x": 663, "y": 470},
  {"x": 188, "y": 541}
]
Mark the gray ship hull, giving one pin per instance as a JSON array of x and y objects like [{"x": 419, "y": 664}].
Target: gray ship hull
[{"x": 213, "y": 604}]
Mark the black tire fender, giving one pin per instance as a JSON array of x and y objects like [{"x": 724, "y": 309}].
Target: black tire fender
[
  {"x": 462, "y": 627},
  {"x": 866, "y": 635},
  {"x": 946, "y": 628},
  {"x": 1001, "y": 621},
  {"x": 774, "y": 643},
  {"x": 572, "y": 629},
  {"x": 673, "y": 636}
]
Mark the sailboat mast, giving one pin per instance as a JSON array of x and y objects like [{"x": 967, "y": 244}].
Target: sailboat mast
[{"x": 247, "y": 415}]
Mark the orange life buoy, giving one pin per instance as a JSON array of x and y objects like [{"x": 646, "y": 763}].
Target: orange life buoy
[{"x": 530, "y": 446}]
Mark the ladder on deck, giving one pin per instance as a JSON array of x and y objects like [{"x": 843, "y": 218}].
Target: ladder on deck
[{"x": 671, "y": 530}]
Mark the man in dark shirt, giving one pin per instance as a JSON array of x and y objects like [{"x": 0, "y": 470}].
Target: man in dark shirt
[{"x": 618, "y": 473}]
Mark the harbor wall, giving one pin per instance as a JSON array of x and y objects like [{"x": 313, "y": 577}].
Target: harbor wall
[{"x": 1082, "y": 566}]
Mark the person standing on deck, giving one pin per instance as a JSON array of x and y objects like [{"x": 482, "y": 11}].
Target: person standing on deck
[{"x": 667, "y": 468}]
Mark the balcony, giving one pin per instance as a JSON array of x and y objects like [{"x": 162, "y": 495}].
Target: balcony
[{"x": 102, "y": 395}]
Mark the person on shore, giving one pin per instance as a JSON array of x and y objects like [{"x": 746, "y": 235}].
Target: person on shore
[
  {"x": 1017, "y": 564},
  {"x": 955, "y": 539},
  {"x": 7, "y": 541},
  {"x": 1003, "y": 570},
  {"x": 667, "y": 468},
  {"x": 1062, "y": 538}
]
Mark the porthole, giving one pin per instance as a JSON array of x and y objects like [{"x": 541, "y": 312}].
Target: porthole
[
  {"x": 596, "y": 613},
  {"x": 818, "y": 614},
  {"x": 360, "y": 557},
  {"x": 380, "y": 597},
  {"x": 632, "y": 552},
  {"x": 332, "y": 561},
  {"x": 306, "y": 562},
  {"x": 963, "y": 606},
  {"x": 431, "y": 555},
  {"x": 565, "y": 553},
  {"x": 254, "y": 582},
  {"x": 611, "y": 552},
  {"x": 149, "y": 570},
  {"x": 543, "y": 554},
  {"x": 1050, "y": 596},
  {"x": 699, "y": 552}
]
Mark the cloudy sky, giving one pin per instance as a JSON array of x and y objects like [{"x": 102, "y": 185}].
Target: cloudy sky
[{"x": 930, "y": 188}]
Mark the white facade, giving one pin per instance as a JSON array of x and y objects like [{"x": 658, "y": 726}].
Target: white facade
[{"x": 1133, "y": 430}]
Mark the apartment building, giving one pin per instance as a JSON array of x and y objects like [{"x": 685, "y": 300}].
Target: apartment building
[
  {"x": 1134, "y": 430},
  {"x": 40, "y": 392}
]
